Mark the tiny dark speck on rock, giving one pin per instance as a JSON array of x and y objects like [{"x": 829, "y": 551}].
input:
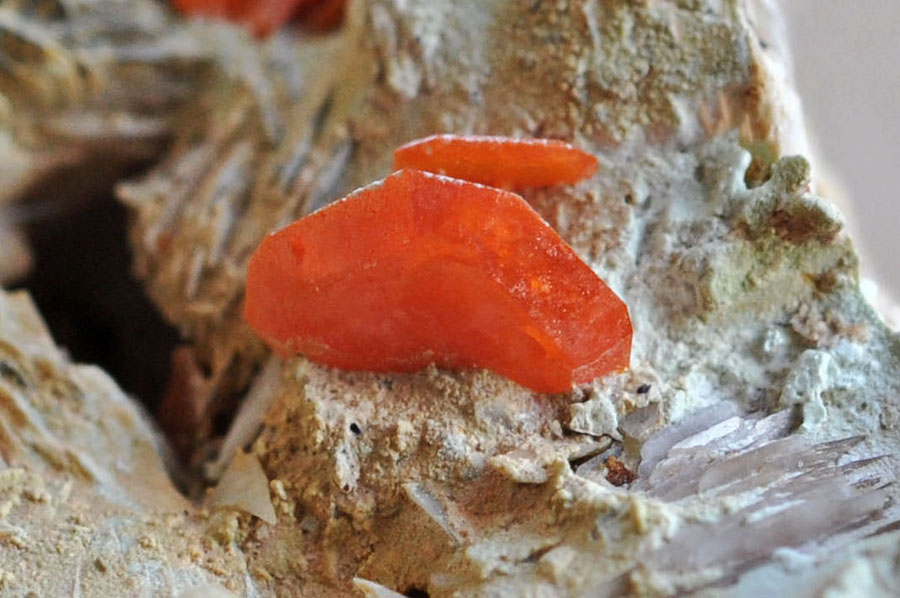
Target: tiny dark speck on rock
[
  {"x": 355, "y": 429},
  {"x": 643, "y": 389}
]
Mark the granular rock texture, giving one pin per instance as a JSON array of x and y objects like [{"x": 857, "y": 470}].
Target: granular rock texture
[
  {"x": 86, "y": 504},
  {"x": 752, "y": 442}
]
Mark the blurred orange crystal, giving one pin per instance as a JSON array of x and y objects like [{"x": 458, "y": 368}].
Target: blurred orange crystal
[{"x": 263, "y": 17}]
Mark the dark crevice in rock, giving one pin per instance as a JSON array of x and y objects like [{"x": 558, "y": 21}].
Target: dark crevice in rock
[{"x": 94, "y": 307}]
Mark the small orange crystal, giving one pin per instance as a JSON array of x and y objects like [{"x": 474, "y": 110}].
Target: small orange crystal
[
  {"x": 419, "y": 269},
  {"x": 263, "y": 17},
  {"x": 498, "y": 161}
]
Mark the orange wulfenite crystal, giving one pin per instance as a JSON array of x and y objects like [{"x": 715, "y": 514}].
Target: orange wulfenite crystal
[
  {"x": 263, "y": 17},
  {"x": 420, "y": 269},
  {"x": 498, "y": 161},
  {"x": 322, "y": 15}
]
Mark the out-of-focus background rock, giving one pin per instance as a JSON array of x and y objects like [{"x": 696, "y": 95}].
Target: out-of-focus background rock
[{"x": 845, "y": 59}]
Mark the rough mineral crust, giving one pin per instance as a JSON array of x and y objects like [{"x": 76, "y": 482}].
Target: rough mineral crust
[
  {"x": 86, "y": 505},
  {"x": 760, "y": 414}
]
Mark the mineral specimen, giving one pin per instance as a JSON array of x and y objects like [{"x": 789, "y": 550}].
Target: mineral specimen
[{"x": 760, "y": 413}]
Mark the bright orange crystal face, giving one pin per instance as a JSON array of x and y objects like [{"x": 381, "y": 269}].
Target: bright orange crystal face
[
  {"x": 420, "y": 269},
  {"x": 498, "y": 161}
]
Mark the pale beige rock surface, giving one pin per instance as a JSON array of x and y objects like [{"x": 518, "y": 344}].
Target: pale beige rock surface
[{"x": 86, "y": 504}]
